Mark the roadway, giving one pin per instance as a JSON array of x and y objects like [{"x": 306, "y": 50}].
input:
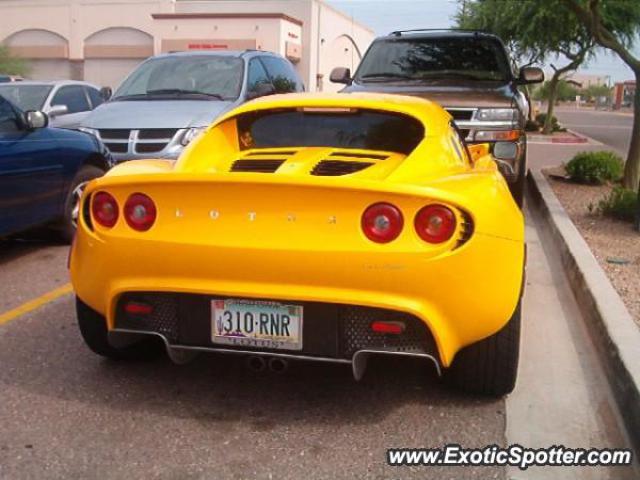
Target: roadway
[{"x": 610, "y": 128}]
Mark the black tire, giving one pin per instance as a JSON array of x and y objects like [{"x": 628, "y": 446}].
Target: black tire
[
  {"x": 93, "y": 328},
  {"x": 517, "y": 188},
  {"x": 490, "y": 366},
  {"x": 67, "y": 226}
]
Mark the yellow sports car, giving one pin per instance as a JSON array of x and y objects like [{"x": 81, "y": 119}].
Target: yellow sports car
[{"x": 316, "y": 227}]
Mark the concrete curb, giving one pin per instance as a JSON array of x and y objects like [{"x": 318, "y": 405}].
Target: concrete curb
[
  {"x": 587, "y": 139},
  {"x": 616, "y": 335}
]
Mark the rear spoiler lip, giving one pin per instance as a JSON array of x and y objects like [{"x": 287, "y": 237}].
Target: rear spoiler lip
[{"x": 326, "y": 183}]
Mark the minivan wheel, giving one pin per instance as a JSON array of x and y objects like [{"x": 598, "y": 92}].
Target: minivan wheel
[{"x": 72, "y": 202}]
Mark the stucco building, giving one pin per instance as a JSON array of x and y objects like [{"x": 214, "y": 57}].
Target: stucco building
[{"x": 102, "y": 40}]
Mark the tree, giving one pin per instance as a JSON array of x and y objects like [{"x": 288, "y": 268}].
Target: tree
[
  {"x": 614, "y": 24},
  {"x": 10, "y": 65},
  {"x": 535, "y": 30},
  {"x": 565, "y": 91},
  {"x": 595, "y": 91}
]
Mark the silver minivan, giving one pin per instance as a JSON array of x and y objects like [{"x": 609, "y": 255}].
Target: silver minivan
[{"x": 169, "y": 99}]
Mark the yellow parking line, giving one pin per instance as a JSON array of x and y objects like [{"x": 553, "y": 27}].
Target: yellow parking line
[{"x": 35, "y": 303}]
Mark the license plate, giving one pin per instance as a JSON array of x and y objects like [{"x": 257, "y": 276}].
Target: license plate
[{"x": 250, "y": 323}]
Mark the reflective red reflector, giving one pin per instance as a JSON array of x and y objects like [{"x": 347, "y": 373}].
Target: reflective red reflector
[
  {"x": 136, "y": 308},
  {"x": 435, "y": 223},
  {"x": 140, "y": 212},
  {"x": 104, "y": 209},
  {"x": 382, "y": 222},
  {"x": 393, "y": 328}
]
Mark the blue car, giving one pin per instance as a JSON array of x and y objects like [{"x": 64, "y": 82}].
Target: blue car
[{"x": 43, "y": 171}]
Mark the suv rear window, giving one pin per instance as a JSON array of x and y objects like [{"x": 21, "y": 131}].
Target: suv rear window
[
  {"x": 338, "y": 128},
  {"x": 466, "y": 58}
]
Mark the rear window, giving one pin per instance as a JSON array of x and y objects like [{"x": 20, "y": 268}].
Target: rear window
[
  {"x": 348, "y": 128},
  {"x": 464, "y": 58}
]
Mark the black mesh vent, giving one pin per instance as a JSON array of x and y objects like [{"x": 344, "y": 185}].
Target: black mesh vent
[
  {"x": 114, "y": 134},
  {"x": 357, "y": 334},
  {"x": 329, "y": 330},
  {"x": 163, "y": 319},
  {"x": 152, "y": 134},
  {"x": 262, "y": 165},
  {"x": 331, "y": 168}
]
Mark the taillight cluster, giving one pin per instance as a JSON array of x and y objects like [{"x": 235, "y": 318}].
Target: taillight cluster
[
  {"x": 139, "y": 210},
  {"x": 383, "y": 222}
]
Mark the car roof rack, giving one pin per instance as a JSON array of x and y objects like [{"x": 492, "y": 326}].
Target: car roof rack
[{"x": 398, "y": 33}]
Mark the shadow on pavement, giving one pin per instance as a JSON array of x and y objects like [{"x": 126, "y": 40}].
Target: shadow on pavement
[
  {"x": 15, "y": 247},
  {"x": 53, "y": 361}
]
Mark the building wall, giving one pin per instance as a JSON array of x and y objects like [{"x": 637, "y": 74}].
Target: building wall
[
  {"x": 326, "y": 32},
  {"x": 101, "y": 40},
  {"x": 586, "y": 80}
]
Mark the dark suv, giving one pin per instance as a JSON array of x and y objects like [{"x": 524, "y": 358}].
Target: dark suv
[{"x": 468, "y": 73}]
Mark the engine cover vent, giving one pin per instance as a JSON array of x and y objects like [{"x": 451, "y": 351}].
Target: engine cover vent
[
  {"x": 263, "y": 165},
  {"x": 335, "y": 168}
]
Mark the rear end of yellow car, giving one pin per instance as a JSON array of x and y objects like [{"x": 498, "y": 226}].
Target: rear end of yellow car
[{"x": 333, "y": 267}]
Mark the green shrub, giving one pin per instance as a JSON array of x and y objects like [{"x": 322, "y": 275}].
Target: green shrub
[
  {"x": 532, "y": 126},
  {"x": 621, "y": 203},
  {"x": 555, "y": 125},
  {"x": 595, "y": 167}
]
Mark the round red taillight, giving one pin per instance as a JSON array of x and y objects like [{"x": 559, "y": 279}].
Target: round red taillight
[
  {"x": 435, "y": 223},
  {"x": 104, "y": 209},
  {"x": 140, "y": 212},
  {"x": 382, "y": 222}
]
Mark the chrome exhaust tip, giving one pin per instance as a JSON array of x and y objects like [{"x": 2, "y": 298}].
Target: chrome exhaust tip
[
  {"x": 256, "y": 363},
  {"x": 278, "y": 365}
]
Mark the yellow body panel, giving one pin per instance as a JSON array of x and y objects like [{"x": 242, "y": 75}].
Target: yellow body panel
[{"x": 293, "y": 236}]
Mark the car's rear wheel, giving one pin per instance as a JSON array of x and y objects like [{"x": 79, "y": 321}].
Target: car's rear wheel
[
  {"x": 93, "y": 328},
  {"x": 490, "y": 366},
  {"x": 72, "y": 202}
]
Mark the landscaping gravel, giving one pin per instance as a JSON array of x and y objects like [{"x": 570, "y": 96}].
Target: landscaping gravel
[{"x": 614, "y": 243}]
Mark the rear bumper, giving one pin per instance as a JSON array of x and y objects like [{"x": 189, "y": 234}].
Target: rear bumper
[
  {"x": 331, "y": 332},
  {"x": 461, "y": 296}
]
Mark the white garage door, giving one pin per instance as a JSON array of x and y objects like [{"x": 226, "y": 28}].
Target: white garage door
[{"x": 49, "y": 69}]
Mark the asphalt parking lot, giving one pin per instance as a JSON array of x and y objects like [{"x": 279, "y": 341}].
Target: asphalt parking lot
[{"x": 65, "y": 413}]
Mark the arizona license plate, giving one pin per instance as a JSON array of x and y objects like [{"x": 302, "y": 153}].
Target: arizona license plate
[{"x": 252, "y": 323}]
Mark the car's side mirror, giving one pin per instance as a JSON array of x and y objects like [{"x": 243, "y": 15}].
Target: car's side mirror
[
  {"x": 341, "y": 75},
  {"x": 35, "y": 119},
  {"x": 530, "y": 75},
  {"x": 58, "y": 110},
  {"x": 261, "y": 90},
  {"x": 106, "y": 93}
]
